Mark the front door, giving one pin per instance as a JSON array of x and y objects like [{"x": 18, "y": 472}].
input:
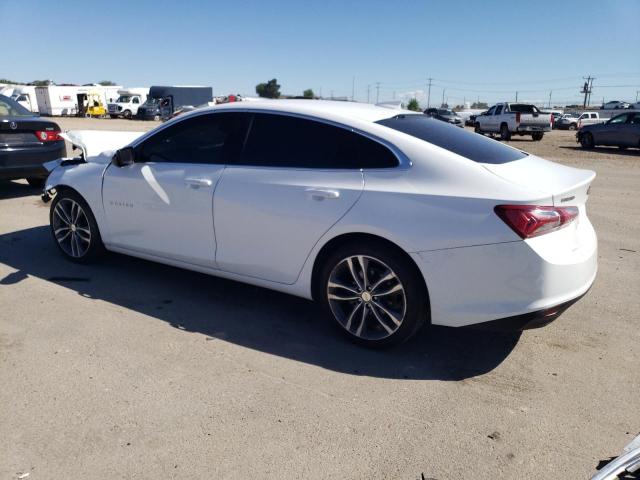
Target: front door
[{"x": 163, "y": 204}]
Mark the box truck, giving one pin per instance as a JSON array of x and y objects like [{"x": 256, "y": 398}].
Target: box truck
[{"x": 163, "y": 101}]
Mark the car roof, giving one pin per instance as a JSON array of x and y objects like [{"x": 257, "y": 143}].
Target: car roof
[{"x": 326, "y": 109}]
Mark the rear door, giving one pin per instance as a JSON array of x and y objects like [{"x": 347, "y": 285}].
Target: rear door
[
  {"x": 163, "y": 204},
  {"x": 295, "y": 179}
]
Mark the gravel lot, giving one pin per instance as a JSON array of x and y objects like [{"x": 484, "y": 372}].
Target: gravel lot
[{"x": 130, "y": 369}]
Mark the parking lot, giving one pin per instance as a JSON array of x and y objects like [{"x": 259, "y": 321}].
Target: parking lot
[{"x": 131, "y": 369}]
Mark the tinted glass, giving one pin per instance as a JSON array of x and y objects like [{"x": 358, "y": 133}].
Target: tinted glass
[
  {"x": 499, "y": 110},
  {"x": 636, "y": 119},
  {"x": 491, "y": 110},
  {"x": 619, "y": 119},
  {"x": 286, "y": 141},
  {"x": 215, "y": 138},
  {"x": 455, "y": 139},
  {"x": 523, "y": 108},
  {"x": 10, "y": 108}
]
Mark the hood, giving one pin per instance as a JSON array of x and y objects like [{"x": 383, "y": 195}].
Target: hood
[{"x": 94, "y": 142}]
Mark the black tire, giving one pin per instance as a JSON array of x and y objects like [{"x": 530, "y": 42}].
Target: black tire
[
  {"x": 476, "y": 128},
  {"x": 87, "y": 251},
  {"x": 537, "y": 136},
  {"x": 127, "y": 114},
  {"x": 505, "y": 134},
  {"x": 586, "y": 140},
  {"x": 36, "y": 182},
  {"x": 573, "y": 126},
  {"x": 113, "y": 116},
  {"x": 374, "y": 312}
]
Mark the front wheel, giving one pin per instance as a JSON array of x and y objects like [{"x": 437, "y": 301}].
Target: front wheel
[
  {"x": 537, "y": 136},
  {"x": 374, "y": 293},
  {"x": 74, "y": 228},
  {"x": 586, "y": 140},
  {"x": 127, "y": 114},
  {"x": 573, "y": 126}
]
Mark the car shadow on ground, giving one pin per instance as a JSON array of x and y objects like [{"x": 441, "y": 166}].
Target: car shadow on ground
[
  {"x": 604, "y": 150},
  {"x": 250, "y": 316},
  {"x": 9, "y": 189}
]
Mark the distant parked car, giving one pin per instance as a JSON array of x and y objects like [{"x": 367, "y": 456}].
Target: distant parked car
[
  {"x": 445, "y": 115},
  {"x": 621, "y": 131},
  {"x": 471, "y": 121},
  {"x": 514, "y": 119},
  {"x": 568, "y": 121},
  {"x": 614, "y": 105},
  {"x": 26, "y": 143}
]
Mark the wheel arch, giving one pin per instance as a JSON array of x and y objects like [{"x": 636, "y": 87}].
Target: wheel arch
[
  {"x": 63, "y": 187},
  {"x": 356, "y": 237}
]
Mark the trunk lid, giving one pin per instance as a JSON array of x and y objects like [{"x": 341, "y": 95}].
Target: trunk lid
[
  {"x": 567, "y": 186},
  {"x": 20, "y": 132}
]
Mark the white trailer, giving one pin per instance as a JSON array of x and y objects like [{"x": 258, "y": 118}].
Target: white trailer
[
  {"x": 26, "y": 96},
  {"x": 59, "y": 99}
]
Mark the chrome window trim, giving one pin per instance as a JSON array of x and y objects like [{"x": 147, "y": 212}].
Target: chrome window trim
[{"x": 404, "y": 163}]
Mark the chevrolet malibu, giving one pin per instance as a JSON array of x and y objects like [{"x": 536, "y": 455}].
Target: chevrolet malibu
[{"x": 388, "y": 219}]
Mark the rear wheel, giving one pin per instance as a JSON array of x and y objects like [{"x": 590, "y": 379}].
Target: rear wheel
[
  {"x": 573, "y": 126},
  {"x": 374, "y": 293},
  {"x": 537, "y": 136},
  {"x": 476, "y": 129},
  {"x": 74, "y": 228},
  {"x": 586, "y": 140},
  {"x": 36, "y": 182},
  {"x": 504, "y": 132}
]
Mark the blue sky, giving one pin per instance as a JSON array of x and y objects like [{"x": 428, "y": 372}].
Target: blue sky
[{"x": 480, "y": 49}]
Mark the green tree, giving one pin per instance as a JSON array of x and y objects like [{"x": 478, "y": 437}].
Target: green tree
[
  {"x": 413, "y": 105},
  {"x": 40, "y": 83},
  {"x": 308, "y": 93},
  {"x": 107, "y": 83},
  {"x": 479, "y": 105},
  {"x": 7, "y": 81},
  {"x": 271, "y": 89}
]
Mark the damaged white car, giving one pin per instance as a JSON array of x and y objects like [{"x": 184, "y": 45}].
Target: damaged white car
[{"x": 387, "y": 218}]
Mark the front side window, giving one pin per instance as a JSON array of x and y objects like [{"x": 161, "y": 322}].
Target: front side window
[
  {"x": 214, "y": 138},
  {"x": 293, "y": 142},
  {"x": 135, "y": 100},
  {"x": 477, "y": 148},
  {"x": 499, "y": 110},
  {"x": 11, "y": 108},
  {"x": 636, "y": 119},
  {"x": 619, "y": 119},
  {"x": 491, "y": 110}
]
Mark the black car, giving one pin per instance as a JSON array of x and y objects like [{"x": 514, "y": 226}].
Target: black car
[
  {"x": 621, "y": 131},
  {"x": 445, "y": 115},
  {"x": 471, "y": 121},
  {"x": 26, "y": 142}
]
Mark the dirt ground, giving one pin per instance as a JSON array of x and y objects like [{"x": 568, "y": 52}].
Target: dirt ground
[{"x": 130, "y": 369}]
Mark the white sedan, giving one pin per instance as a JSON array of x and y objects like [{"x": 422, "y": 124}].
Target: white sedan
[{"x": 387, "y": 218}]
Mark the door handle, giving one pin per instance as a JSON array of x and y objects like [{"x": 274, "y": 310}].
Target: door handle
[
  {"x": 198, "y": 182},
  {"x": 320, "y": 194}
]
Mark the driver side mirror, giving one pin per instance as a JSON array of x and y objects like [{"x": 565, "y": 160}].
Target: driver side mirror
[{"x": 123, "y": 157}]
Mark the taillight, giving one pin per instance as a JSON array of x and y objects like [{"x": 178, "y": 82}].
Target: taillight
[
  {"x": 517, "y": 117},
  {"x": 48, "y": 135},
  {"x": 533, "y": 220}
]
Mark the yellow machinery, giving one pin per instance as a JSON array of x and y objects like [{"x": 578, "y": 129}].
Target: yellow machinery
[{"x": 90, "y": 105}]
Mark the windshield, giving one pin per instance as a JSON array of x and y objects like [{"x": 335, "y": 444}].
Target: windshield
[
  {"x": 445, "y": 112},
  {"x": 124, "y": 99},
  {"x": 9, "y": 108},
  {"x": 151, "y": 102},
  {"x": 454, "y": 139}
]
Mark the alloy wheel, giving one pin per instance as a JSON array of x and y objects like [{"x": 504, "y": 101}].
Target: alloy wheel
[
  {"x": 366, "y": 297},
  {"x": 71, "y": 228}
]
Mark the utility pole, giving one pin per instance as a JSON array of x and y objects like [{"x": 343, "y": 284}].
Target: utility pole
[
  {"x": 516, "y": 96},
  {"x": 637, "y": 92},
  {"x": 377, "y": 92},
  {"x": 429, "y": 93},
  {"x": 320, "y": 92},
  {"x": 353, "y": 88},
  {"x": 586, "y": 89},
  {"x": 443, "y": 90},
  {"x": 550, "y": 92}
]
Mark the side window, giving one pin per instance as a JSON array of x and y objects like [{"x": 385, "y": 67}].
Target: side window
[
  {"x": 594, "y": 115},
  {"x": 619, "y": 119},
  {"x": 287, "y": 141},
  {"x": 212, "y": 138},
  {"x": 498, "y": 110},
  {"x": 135, "y": 100},
  {"x": 636, "y": 119},
  {"x": 491, "y": 110}
]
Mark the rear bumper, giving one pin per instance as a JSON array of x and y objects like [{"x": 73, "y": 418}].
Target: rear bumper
[
  {"x": 532, "y": 128},
  {"x": 523, "y": 284},
  {"x": 28, "y": 162}
]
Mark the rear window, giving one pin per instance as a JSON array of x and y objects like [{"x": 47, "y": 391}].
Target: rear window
[
  {"x": 455, "y": 139},
  {"x": 9, "y": 108},
  {"x": 523, "y": 108}
]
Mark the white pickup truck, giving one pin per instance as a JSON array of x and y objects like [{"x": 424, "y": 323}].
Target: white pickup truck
[{"x": 514, "y": 119}]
